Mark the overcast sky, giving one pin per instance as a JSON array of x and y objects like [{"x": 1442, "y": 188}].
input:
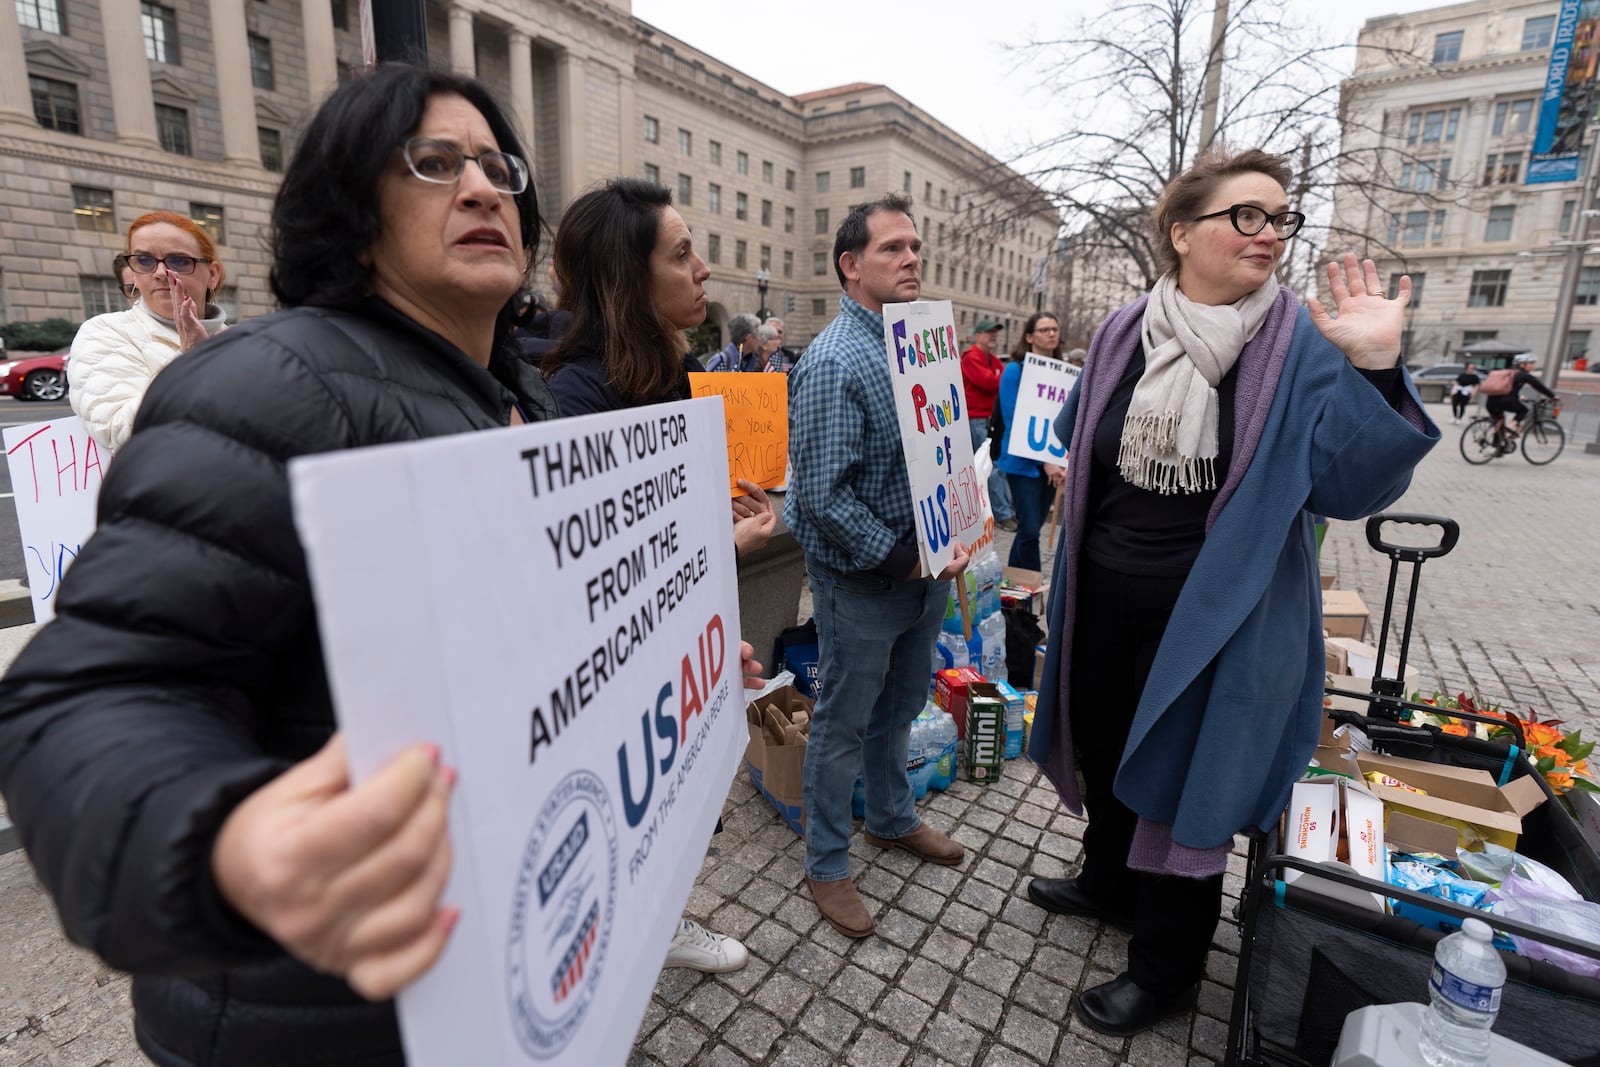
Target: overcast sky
[{"x": 951, "y": 58}]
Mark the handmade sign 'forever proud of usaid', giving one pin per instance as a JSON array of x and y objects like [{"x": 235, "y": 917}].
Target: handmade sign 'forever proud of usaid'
[
  {"x": 925, "y": 374},
  {"x": 555, "y": 606},
  {"x": 1042, "y": 390}
]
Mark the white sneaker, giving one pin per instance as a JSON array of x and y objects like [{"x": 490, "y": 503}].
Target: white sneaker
[{"x": 699, "y": 949}]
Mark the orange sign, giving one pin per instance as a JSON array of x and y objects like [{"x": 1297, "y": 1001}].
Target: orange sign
[{"x": 756, "y": 410}]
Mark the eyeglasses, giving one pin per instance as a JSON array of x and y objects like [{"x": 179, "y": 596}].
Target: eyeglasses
[
  {"x": 1251, "y": 220},
  {"x": 443, "y": 164},
  {"x": 145, "y": 263}
]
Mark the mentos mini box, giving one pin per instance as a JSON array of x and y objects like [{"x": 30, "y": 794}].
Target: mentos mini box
[
  {"x": 1014, "y": 710},
  {"x": 986, "y": 733},
  {"x": 950, "y": 693}
]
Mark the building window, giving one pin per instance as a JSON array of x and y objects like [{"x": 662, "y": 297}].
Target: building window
[
  {"x": 741, "y": 206},
  {"x": 1472, "y": 337},
  {"x": 160, "y": 32},
  {"x": 927, "y": 193},
  {"x": 1502, "y": 169},
  {"x": 741, "y": 162},
  {"x": 942, "y": 196},
  {"x": 1431, "y": 127},
  {"x": 652, "y": 130},
  {"x": 1438, "y": 226},
  {"x": 55, "y": 104},
  {"x": 905, "y": 182},
  {"x": 209, "y": 217},
  {"x": 714, "y": 198},
  {"x": 739, "y": 250},
  {"x": 788, "y": 220},
  {"x": 788, "y": 263},
  {"x": 1425, "y": 176},
  {"x": 92, "y": 211},
  {"x": 341, "y": 15},
  {"x": 652, "y": 174},
  {"x": 858, "y": 177},
  {"x": 1568, "y": 207},
  {"x": 819, "y": 307},
  {"x": 261, "y": 62},
  {"x": 41, "y": 15},
  {"x": 766, "y": 171},
  {"x": 819, "y": 263},
  {"x": 271, "y": 148},
  {"x": 1488, "y": 289},
  {"x": 714, "y": 248},
  {"x": 788, "y": 181},
  {"x": 1577, "y": 344},
  {"x": 766, "y": 257},
  {"x": 1499, "y": 225},
  {"x": 824, "y": 181},
  {"x": 1417, "y": 280},
  {"x": 766, "y": 212},
  {"x": 1588, "y": 293},
  {"x": 344, "y": 72},
  {"x": 172, "y": 126},
  {"x": 966, "y": 276},
  {"x": 822, "y": 220},
  {"x": 938, "y": 274},
  {"x": 100, "y": 295},
  {"x": 1412, "y": 230},
  {"x": 1538, "y": 32},
  {"x": 1513, "y": 116},
  {"x": 685, "y": 190},
  {"x": 1447, "y": 47},
  {"x": 685, "y": 143}
]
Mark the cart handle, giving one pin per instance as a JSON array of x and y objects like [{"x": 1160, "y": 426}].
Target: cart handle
[
  {"x": 1449, "y": 534},
  {"x": 1512, "y": 724}
]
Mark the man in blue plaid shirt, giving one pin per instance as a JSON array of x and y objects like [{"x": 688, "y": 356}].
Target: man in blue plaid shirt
[{"x": 849, "y": 505}]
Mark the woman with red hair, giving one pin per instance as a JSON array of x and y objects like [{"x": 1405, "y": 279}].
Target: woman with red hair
[{"x": 115, "y": 356}]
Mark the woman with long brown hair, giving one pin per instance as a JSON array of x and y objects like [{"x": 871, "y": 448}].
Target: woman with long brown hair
[{"x": 1033, "y": 484}]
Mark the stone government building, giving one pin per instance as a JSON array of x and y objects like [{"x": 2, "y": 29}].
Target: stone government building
[{"x": 111, "y": 108}]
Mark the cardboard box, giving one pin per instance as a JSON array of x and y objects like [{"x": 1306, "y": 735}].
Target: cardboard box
[
  {"x": 1336, "y": 662},
  {"x": 1330, "y": 817},
  {"x": 950, "y": 693},
  {"x": 1018, "y": 586},
  {"x": 1328, "y": 580},
  {"x": 1014, "y": 712},
  {"x": 1038, "y": 667},
  {"x": 1458, "y": 797},
  {"x": 779, "y": 723},
  {"x": 1344, "y": 614},
  {"x": 986, "y": 733},
  {"x": 1361, "y": 659}
]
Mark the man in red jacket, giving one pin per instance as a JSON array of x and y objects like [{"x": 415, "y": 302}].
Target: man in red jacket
[{"x": 980, "y": 372}]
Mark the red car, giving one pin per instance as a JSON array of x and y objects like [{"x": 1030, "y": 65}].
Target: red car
[{"x": 35, "y": 377}]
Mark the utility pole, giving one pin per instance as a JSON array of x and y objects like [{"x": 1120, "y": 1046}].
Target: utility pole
[
  {"x": 1213, "y": 82},
  {"x": 1556, "y": 350}
]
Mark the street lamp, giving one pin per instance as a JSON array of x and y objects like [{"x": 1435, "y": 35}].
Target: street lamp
[{"x": 763, "y": 276}]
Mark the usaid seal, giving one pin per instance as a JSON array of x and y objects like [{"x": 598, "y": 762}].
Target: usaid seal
[{"x": 561, "y": 914}]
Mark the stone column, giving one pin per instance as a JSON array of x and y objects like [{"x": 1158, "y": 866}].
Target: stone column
[
  {"x": 628, "y": 124},
  {"x": 522, "y": 107},
  {"x": 16, "y": 102},
  {"x": 462, "y": 57},
  {"x": 236, "y": 96},
  {"x": 132, "y": 104},
  {"x": 569, "y": 102},
  {"x": 322, "y": 60}
]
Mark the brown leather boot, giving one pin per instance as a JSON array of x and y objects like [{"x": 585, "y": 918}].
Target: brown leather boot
[
  {"x": 925, "y": 842},
  {"x": 841, "y": 905}
]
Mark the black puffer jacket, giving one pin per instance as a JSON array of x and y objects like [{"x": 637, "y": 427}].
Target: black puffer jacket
[{"x": 183, "y": 669}]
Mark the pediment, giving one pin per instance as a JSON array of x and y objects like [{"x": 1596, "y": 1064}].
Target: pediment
[
  {"x": 49, "y": 55},
  {"x": 271, "y": 114},
  {"x": 163, "y": 84}
]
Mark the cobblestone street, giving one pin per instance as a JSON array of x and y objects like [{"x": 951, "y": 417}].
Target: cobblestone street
[{"x": 963, "y": 969}]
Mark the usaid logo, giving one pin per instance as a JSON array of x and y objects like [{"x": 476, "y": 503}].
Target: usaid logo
[{"x": 561, "y": 914}]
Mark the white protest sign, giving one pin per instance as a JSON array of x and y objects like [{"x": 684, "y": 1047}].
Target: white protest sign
[
  {"x": 925, "y": 375},
  {"x": 1044, "y": 387},
  {"x": 55, "y": 480},
  {"x": 555, "y": 606}
]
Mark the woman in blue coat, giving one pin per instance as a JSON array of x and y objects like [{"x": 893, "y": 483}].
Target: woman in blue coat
[
  {"x": 1033, "y": 484},
  {"x": 1213, "y": 418}
]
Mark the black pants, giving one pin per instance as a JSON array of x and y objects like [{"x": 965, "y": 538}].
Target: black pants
[
  {"x": 1119, "y": 623},
  {"x": 1458, "y": 404}
]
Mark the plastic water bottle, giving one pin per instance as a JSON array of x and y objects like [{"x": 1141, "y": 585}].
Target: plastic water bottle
[
  {"x": 954, "y": 648},
  {"x": 994, "y": 647},
  {"x": 943, "y": 741},
  {"x": 1468, "y": 975},
  {"x": 918, "y": 769}
]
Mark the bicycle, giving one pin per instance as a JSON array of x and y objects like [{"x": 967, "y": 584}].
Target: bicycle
[{"x": 1543, "y": 438}]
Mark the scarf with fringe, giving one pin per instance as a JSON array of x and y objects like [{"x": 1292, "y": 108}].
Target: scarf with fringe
[{"x": 1169, "y": 440}]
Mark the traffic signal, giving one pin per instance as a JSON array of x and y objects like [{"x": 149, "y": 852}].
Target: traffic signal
[{"x": 788, "y": 304}]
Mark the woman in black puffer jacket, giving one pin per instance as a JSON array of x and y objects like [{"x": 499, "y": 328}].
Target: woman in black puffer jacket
[{"x": 165, "y": 742}]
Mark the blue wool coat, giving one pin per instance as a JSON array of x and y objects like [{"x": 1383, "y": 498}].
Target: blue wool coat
[{"x": 1232, "y": 708}]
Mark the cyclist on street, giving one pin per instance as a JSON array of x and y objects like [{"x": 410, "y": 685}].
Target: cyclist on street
[{"x": 1511, "y": 403}]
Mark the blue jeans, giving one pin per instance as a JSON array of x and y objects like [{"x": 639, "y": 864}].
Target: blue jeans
[
  {"x": 999, "y": 492},
  {"x": 876, "y": 636},
  {"x": 1032, "y": 497}
]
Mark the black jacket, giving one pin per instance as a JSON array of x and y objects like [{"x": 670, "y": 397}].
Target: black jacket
[
  {"x": 581, "y": 386},
  {"x": 183, "y": 669}
]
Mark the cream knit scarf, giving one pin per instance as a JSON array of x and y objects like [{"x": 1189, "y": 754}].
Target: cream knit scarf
[{"x": 1169, "y": 441}]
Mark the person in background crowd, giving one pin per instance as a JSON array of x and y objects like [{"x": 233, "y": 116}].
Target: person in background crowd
[
  {"x": 1076, "y": 357},
  {"x": 1183, "y": 676},
  {"x": 1462, "y": 392},
  {"x": 784, "y": 358},
  {"x": 538, "y": 329},
  {"x": 125, "y": 277},
  {"x": 980, "y": 374},
  {"x": 743, "y": 352},
  {"x": 1033, "y": 484},
  {"x": 1498, "y": 407},
  {"x": 849, "y": 505},
  {"x": 116, "y": 355},
  {"x": 770, "y": 340}
]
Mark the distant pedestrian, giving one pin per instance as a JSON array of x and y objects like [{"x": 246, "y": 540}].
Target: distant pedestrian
[
  {"x": 743, "y": 351},
  {"x": 1462, "y": 392},
  {"x": 1033, "y": 484},
  {"x": 784, "y": 357},
  {"x": 980, "y": 373}
]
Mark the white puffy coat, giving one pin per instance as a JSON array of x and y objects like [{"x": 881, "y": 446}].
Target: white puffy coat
[{"x": 114, "y": 358}]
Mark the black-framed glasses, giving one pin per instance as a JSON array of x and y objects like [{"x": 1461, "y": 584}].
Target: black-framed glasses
[
  {"x": 443, "y": 164},
  {"x": 1251, "y": 220},
  {"x": 145, "y": 263}
]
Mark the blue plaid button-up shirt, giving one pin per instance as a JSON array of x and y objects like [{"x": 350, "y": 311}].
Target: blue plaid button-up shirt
[{"x": 849, "y": 498}]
